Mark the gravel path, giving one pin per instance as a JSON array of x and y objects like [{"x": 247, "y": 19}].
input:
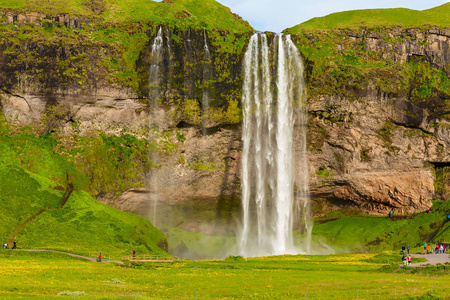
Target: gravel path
[{"x": 431, "y": 259}]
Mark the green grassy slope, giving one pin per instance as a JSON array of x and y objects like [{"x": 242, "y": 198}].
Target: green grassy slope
[
  {"x": 395, "y": 17},
  {"x": 34, "y": 173},
  {"x": 374, "y": 234},
  {"x": 82, "y": 226},
  {"x": 181, "y": 13}
]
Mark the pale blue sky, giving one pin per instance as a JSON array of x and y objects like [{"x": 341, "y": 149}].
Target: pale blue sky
[{"x": 277, "y": 15}]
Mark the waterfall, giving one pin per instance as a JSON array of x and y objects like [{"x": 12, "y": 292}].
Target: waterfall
[
  {"x": 207, "y": 73},
  {"x": 155, "y": 66},
  {"x": 154, "y": 95},
  {"x": 275, "y": 192},
  {"x": 170, "y": 82}
]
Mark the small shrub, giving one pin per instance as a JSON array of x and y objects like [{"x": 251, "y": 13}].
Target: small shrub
[{"x": 235, "y": 258}]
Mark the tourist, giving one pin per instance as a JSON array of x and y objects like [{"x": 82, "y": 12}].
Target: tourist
[
  {"x": 409, "y": 260},
  {"x": 100, "y": 257},
  {"x": 5, "y": 246},
  {"x": 425, "y": 247},
  {"x": 441, "y": 249},
  {"x": 403, "y": 249},
  {"x": 14, "y": 245},
  {"x": 404, "y": 260},
  {"x": 428, "y": 249},
  {"x": 134, "y": 253},
  {"x": 390, "y": 214},
  {"x": 408, "y": 249}
]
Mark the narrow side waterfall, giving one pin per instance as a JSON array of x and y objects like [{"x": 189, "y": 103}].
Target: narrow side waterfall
[
  {"x": 207, "y": 73},
  {"x": 275, "y": 183},
  {"x": 154, "y": 95},
  {"x": 155, "y": 66}
]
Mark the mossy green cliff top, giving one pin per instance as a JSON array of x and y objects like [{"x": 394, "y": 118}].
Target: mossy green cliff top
[
  {"x": 183, "y": 14},
  {"x": 395, "y": 17}
]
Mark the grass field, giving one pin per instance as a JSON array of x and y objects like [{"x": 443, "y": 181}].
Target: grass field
[{"x": 45, "y": 275}]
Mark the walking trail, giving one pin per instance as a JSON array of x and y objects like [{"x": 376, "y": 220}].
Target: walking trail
[
  {"x": 432, "y": 259},
  {"x": 93, "y": 259}
]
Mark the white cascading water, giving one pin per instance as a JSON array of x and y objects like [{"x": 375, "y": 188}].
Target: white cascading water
[
  {"x": 207, "y": 72},
  {"x": 207, "y": 76},
  {"x": 154, "y": 94},
  {"x": 275, "y": 188},
  {"x": 169, "y": 62}
]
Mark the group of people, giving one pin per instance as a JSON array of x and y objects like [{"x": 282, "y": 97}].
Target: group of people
[
  {"x": 406, "y": 259},
  {"x": 5, "y": 246},
  {"x": 438, "y": 249}
]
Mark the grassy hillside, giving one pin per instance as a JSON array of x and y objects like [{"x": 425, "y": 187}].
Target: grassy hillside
[
  {"x": 82, "y": 226},
  {"x": 35, "y": 173},
  {"x": 208, "y": 14},
  {"x": 395, "y": 17},
  {"x": 369, "y": 233}
]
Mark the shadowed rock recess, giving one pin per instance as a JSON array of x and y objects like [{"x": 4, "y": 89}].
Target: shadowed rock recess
[{"x": 378, "y": 129}]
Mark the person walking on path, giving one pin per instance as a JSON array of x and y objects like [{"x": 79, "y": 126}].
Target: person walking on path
[
  {"x": 425, "y": 246},
  {"x": 403, "y": 249},
  {"x": 404, "y": 260},
  {"x": 14, "y": 245},
  {"x": 100, "y": 257},
  {"x": 408, "y": 249},
  {"x": 134, "y": 253}
]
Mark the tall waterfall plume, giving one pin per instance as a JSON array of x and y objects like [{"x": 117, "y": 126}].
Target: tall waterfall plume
[
  {"x": 275, "y": 190},
  {"x": 154, "y": 97}
]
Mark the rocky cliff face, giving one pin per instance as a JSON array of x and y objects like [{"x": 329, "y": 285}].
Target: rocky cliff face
[
  {"x": 380, "y": 150},
  {"x": 371, "y": 146}
]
